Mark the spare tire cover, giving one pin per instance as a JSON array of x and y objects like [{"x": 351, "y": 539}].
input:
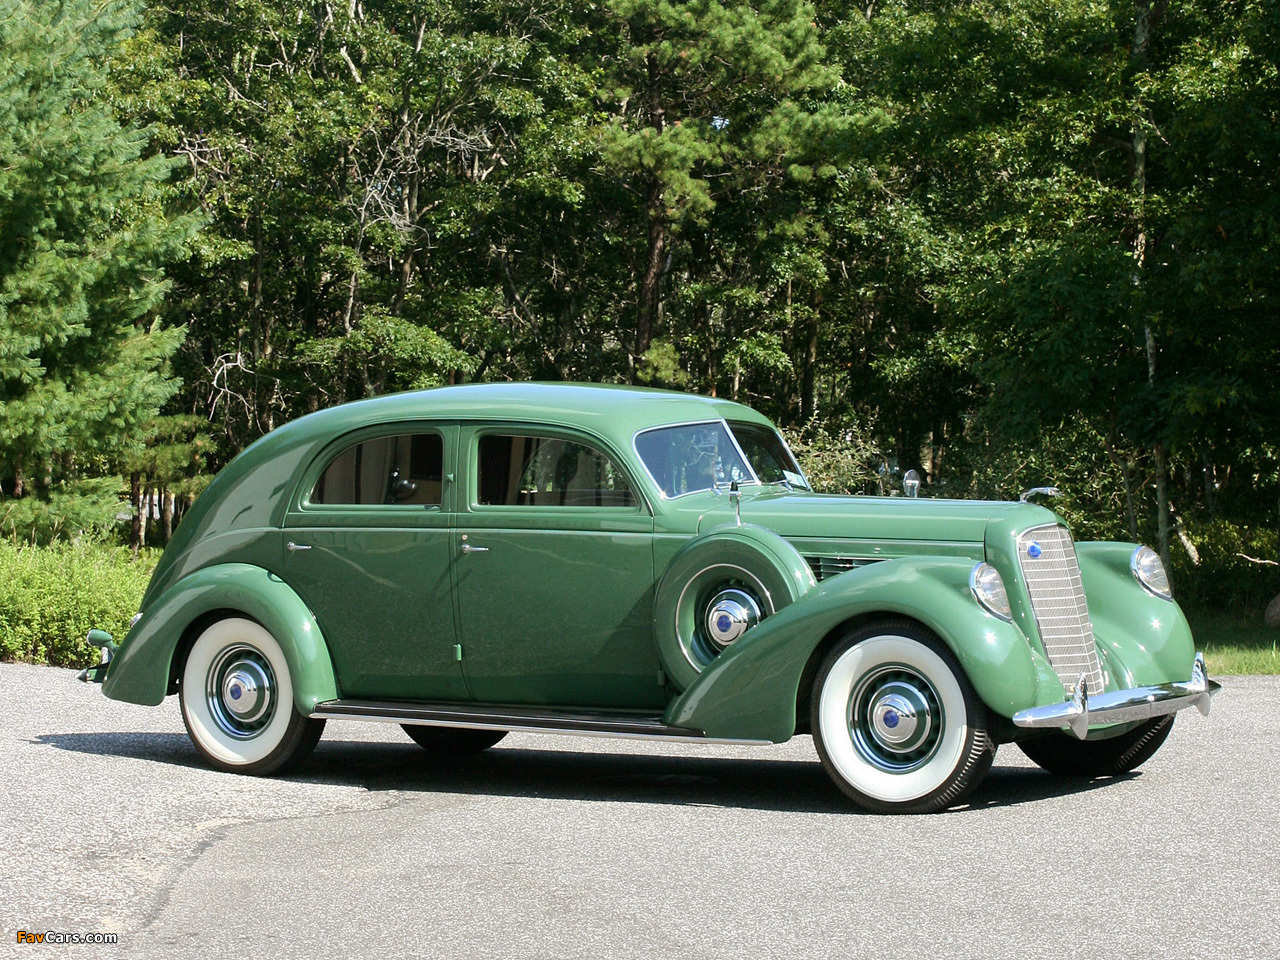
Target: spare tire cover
[{"x": 746, "y": 557}]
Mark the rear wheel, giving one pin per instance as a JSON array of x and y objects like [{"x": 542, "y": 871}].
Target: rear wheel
[
  {"x": 1068, "y": 756},
  {"x": 237, "y": 701},
  {"x": 896, "y": 722},
  {"x": 454, "y": 740}
]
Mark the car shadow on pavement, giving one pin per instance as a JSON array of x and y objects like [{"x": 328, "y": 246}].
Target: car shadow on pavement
[{"x": 799, "y": 786}]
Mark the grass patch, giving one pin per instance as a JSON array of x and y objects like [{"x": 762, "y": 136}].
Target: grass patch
[
  {"x": 51, "y": 596},
  {"x": 1233, "y": 644}
]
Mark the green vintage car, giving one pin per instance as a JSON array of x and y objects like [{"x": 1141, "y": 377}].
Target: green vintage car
[{"x": 588, "y": 559}]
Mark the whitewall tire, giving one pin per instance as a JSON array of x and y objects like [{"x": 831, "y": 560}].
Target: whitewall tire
[
  {"x": 237, "y": 700},
  {"x": 896, "y": 722}
]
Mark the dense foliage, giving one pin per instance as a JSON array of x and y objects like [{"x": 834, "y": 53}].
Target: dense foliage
[
  {"x": 53, "y": 596},
  {"x": 1004, "y": 242}
]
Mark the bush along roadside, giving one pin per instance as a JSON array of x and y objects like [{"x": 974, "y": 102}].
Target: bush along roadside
[{"x": 50, "y": 597}]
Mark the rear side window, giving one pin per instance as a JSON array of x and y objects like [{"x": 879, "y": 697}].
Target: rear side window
[
  {"x": 405, "y": 469},
  {"x": 548, "y": 472}
]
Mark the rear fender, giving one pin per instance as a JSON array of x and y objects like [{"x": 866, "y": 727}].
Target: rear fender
[
  {"x": 750, "y": 690},
  {"x": 140, "y": 670}
]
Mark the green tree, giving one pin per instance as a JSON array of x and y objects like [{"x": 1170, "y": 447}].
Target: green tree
[{"x": 84, "y": 237}]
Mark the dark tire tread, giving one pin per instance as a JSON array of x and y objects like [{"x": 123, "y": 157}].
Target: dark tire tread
[
  {"x": 1064, "y": 755},
  {"x": 300, "y": 739},
  {"x": 452, "y": 740}
]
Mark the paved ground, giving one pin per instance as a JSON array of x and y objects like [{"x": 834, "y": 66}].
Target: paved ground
[{"x": 564, "y": 848}]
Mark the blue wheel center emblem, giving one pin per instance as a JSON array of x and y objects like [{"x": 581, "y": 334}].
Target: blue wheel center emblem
[
  {"x": 1034, "y": 550},
  {"x": 235, "y": 691},
  {"x": 724, "y": 622},
  {"x": 891, "y": 719}
]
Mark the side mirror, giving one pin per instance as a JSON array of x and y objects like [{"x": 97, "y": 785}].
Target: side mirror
[{"x": 911, "y": 484}]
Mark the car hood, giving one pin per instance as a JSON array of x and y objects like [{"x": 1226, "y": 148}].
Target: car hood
[{"x": 831, "y": 516}]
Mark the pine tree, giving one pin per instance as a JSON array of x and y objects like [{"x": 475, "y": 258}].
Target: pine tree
[
  {"x": 84, "y": 235},
  {"x": 705, "y": 92}
]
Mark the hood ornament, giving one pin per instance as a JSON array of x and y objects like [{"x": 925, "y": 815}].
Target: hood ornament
[{"x": 1038, "y": 491}]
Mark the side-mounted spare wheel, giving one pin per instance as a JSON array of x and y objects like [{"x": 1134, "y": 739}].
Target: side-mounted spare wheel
[
  {"x": 718, "y": 587},
  {"x": 897, "y": 724},
  {"x": 237, "y": 700}
]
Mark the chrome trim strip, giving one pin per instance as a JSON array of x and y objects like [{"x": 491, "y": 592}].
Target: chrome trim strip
[
  {"x": 1123, "y": 706},
  {"x": 515, "y": 719}
]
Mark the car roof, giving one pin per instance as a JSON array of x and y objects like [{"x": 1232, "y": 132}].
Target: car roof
[{"x": 613, "y": 411}]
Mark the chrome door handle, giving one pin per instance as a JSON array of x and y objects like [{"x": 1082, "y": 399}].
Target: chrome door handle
[
  {"x": 292, "y": 547},
  {"x": 468, "y": 548}
]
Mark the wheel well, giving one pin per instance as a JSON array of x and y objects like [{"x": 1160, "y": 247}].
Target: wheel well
[
  {"x": 188, "y": 639},
  {"x": 810, "y": 672}
]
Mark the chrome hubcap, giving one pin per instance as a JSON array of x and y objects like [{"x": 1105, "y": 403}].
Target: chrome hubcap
[
  {"x": 730, "y": 614},
  {"x": 241, "y": 691},
  {"x": 895, "y": 719}
]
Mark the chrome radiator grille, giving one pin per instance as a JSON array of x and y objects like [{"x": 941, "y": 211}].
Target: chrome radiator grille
[{"x": 1048, "y": 560}]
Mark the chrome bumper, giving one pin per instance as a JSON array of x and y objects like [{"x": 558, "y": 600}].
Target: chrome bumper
[{"x": 1123, "y": 706}]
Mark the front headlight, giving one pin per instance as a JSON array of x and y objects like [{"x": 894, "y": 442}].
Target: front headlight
[
  {"x": 1149, "y": 571},
  {"x": 988, "y": 590}
]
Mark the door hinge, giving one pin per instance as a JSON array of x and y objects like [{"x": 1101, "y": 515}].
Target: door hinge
[{"x": 457, "y": 651}]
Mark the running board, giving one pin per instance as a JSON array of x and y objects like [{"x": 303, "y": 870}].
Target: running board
[{"x": 523, "y": 719}]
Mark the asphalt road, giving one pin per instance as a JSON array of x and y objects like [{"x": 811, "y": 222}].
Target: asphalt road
[{"x": 562, "y": 847}]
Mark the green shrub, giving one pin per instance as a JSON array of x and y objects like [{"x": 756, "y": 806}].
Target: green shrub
[{"x": 51, "y": 596}]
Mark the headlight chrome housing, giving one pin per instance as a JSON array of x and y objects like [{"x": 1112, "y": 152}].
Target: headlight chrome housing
[
  {"x": 1149, "y": 571},
  {"x": 988, "y": 590}
]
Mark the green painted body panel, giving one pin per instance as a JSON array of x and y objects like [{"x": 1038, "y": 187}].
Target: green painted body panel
[
  {"x": 140, "y": 671},
  {"x": 1143, "y": 639},
  {"x": 378, "y": 577},
  {"x": 559, "y": 610},
  {"x": 750, "y": 690},
  {"x": 556, "y": 606}
]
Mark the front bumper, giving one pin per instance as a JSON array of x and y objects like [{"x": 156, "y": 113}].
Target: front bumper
[{"x": 1123, "y": 706}]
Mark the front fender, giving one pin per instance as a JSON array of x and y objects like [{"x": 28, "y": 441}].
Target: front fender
[
  {"x": 1144, "y": 639},
  {"x": 140, "y": 670},
  {"x": 750, "y": 690}
]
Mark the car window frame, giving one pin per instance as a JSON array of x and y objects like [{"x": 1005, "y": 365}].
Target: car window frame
[
  {"x": 754, "y": 481},
  {"x": 469, "y": 467},
  {"x": 300, "y": 504},
  {"x": 785, "y": 446}
]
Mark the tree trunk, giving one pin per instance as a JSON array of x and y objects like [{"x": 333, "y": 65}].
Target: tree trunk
[
  {"x": 166, "y": 514},
  {"x": 809, "y": 371},
  {"x": 1142, "y": 24},
  {"x": 650, "y": 283},
  {"x": 135, "y": 524}
]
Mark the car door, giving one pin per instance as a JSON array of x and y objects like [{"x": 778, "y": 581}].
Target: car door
[
  {"x": 368, "y": 546},
  {"x": 553, "y": 572}
]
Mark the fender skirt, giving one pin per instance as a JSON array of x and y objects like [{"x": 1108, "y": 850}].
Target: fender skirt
[
  {"x": 749, "y": 691},
  {"x": 140, "y": 671}
]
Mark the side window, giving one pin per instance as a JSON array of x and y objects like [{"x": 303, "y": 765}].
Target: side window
[
  {"x": 405, "y": 469},
  {"x": 547, "y": 471}
]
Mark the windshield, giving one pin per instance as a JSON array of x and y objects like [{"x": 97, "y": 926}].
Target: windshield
[
  {"x": 691, "y": 457},
  {"x": 767, "y": 454}
]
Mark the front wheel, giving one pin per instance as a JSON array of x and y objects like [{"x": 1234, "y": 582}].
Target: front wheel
[
  {"x": 237, "y": 701},
  {"x": 897, "y": 724},
  {"x": 1068, "y": 756}
]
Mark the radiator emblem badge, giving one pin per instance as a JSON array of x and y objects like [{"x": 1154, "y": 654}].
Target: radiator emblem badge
[{"x": 1034, "y": 550}]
